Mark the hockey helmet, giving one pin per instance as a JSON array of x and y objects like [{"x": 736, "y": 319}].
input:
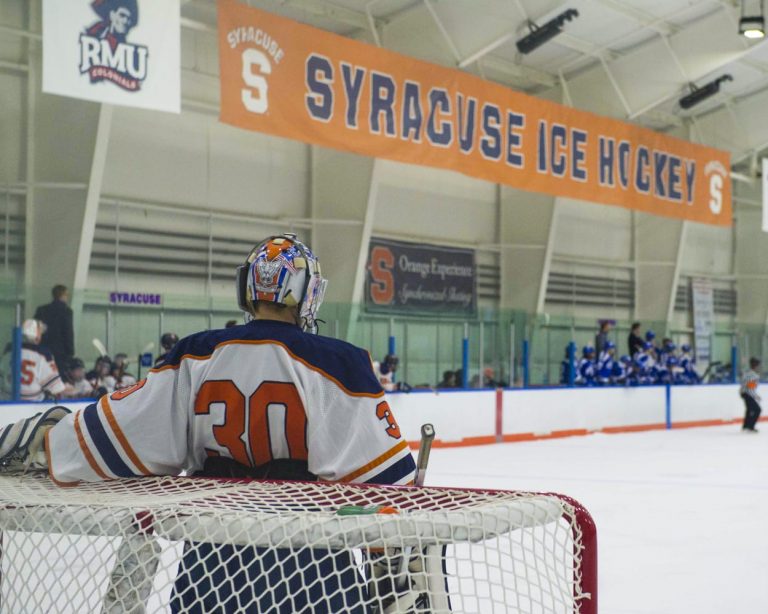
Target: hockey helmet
[
  {"x": 609, "y": 345},
  {"x": 32, "y": 331},
  {"x": 647, "y": 345},
  {"x": 283, "y": 271},
  {"x": 168, "y": 340},
  {"x": 685, "y": 348},
  {"x": 649, "y": 335},
  {"x": 75, "y": 363},
  {"x": 587, "y": 349},
  {"x": 625, "y": 359}
]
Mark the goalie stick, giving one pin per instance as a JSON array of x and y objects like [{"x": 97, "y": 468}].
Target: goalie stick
[
  {"x": 418, "y": 580},
  {"x": 422, "y": 460}
]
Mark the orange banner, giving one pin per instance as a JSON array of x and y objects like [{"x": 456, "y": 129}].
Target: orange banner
[{"x": 288, "y": 79}]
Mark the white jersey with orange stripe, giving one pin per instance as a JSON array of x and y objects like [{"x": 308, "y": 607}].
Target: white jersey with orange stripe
[
  {"x": 39, "y": 375},
  {"x": 253, "y": 393}
]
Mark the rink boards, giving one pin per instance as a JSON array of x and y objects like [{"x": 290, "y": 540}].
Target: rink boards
[{"x": 472, "y": 417}]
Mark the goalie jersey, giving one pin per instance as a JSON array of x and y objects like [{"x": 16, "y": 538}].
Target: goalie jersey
[
  {"x": 261, "y": 394},
  {"x": 254, "y": 393}
]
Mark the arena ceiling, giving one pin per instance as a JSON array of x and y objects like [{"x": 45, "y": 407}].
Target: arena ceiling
[{"x": 629, "y": 59}]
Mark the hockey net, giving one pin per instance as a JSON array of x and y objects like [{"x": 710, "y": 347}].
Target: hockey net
[{"x": 209, "y": 545}]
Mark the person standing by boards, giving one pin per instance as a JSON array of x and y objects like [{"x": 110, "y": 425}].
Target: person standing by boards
[{"x": 749, "y": 383}]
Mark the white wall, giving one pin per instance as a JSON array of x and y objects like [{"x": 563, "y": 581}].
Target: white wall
[{"x": 468, "y": 418}]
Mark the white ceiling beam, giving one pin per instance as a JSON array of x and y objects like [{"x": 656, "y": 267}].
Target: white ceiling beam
[
  {"x": 486, "y": 49},
  {"x": 663, "y": 118},
  {"x": 616, "y": 86},
  {"x": 708, "y": 70},
  {"x": 519, "y": 71},
  {"x": 745, "y": 155},
  {"x": 641, "y": 17},
  {"x": 443, "y": 31},
  {"x": 329, "y": 10},
  {"x": 372, "y": 22}
]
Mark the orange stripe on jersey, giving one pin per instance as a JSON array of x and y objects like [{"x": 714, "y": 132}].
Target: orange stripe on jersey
[
  {"x": 86, "y": 452},
  {"x": 121, "y": 436},
  {"x": 375, "y": 462},
  {"x": 50, "y": 465},
  {"x": 309, "y": 366}
]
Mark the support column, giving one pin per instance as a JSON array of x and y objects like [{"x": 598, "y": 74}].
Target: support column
[
  {"x": 343, "y": 189},
  {"x": 659, "y": 251},
  {"x": 526, "y": 233},
  {"x": 64, "y": 169},
  {"x": 751, "y": 256}
]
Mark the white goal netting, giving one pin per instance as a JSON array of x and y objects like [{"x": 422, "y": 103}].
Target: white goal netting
[{"x": 210, "y": 545}]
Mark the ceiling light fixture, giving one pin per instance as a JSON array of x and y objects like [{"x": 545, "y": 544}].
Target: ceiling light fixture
[
  {"x": 541, "y": 34},
  {"x": 752, "y": 25},
  {"x": 700, "y": 94}
]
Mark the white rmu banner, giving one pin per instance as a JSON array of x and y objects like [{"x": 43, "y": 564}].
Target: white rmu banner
[{"x": 124, "y": 52}]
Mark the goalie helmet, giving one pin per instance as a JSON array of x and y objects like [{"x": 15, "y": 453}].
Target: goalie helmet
[
  {"x": 283, "y": 271},
  {"x": 32, "y": 331}
]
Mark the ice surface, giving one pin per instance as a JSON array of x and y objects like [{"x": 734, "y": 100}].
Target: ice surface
[{"x": 682, "y": 515}]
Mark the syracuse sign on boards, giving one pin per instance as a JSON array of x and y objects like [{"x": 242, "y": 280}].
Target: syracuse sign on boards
[{"x": 288, "y": 79}]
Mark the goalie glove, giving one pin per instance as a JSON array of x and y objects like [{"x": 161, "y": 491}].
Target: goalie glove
[
  {"x": 408, "y": 581},
  {"x": 21, "y": 443}
]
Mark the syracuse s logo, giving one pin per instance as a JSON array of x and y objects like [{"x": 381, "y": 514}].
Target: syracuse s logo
[{"x": 715, "y": 173}]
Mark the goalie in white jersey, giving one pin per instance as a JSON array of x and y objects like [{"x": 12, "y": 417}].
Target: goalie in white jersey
[{"x": 265, "y": 399}]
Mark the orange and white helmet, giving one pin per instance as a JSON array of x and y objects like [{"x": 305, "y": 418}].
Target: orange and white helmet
[
  {"x": 284, "y": 271},
  {"x": 32, "y": 331}
]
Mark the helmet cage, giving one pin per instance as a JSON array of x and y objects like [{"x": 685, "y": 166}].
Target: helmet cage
[{"x": 279, "y": 279}]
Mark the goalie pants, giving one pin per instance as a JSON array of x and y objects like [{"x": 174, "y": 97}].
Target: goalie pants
[
  {"x": 224, "y": 578},
  {"x": 752, "y": 411}
]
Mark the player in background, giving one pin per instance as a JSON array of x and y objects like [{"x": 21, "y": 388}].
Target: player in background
[
  {"x": 606, "y": 363},
  {"x": 267, "y": 399},
  {"x": 385, "y": 371},
  {"x": 649, "y": 368},
  {"x": 78, "y": 386},
  {"x": 675, "y": 371},
  {"x": 98, "y": 377},
  {"x": 118, "y": 379},
  {"x": 650, "y": 337},
  {"x": 167, "y": 341},
  {"x": 40, "y": 377},
  {"x": 688, "y": 365},
  {"x": 624, "y": 372},
  {"x": 749, "y": 383},
  {"x": 585, "y": 371}
]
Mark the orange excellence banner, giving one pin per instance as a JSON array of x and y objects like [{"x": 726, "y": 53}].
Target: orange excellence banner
[{"x": 288, "y": 79}]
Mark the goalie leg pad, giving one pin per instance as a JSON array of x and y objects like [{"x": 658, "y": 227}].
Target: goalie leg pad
[
  {"x": 21, "y": 443},
  {"x": 420, "y": 586}
]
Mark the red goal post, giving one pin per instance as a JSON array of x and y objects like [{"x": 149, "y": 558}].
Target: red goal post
[{"x": 116, "y": 546}]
